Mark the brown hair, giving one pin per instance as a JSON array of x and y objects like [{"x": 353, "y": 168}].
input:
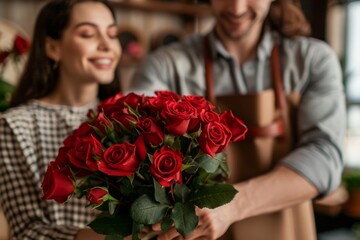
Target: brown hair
[
  {"x": 287, "y": 17},
  {"x": 39, "y": 77}
]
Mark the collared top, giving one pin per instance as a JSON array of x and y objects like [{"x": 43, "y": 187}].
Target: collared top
[
  {"x": 30, "y": 136},
  {"x": 309, "y": 67}
]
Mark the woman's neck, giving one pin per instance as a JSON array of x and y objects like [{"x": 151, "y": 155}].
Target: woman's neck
[{"x": 72, "y": 94}]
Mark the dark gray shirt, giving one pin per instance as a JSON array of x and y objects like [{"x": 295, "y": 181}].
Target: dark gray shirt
[{"x": 309, "y": 67}]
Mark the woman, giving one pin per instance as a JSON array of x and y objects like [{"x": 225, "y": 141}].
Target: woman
[{"x": 71, "y": 66}]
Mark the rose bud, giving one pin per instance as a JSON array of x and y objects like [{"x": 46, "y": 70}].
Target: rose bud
[
  {"x": 152, "y": 133},
  {"x": 21, "y": 45},
  {"x": 57, "y": 183},
  {"x": 96, "y": 195}
]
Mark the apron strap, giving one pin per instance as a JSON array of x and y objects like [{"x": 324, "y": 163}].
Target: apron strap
[{"x": 277, "y": 127}]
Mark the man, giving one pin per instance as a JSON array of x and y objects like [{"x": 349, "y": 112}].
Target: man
[{"x": 249, "y": 65}]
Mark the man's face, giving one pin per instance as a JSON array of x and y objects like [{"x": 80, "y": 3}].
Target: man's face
[{"x": 237, "y": 18}]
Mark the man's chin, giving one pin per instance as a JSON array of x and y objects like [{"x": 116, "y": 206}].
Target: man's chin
[{"x": 236, "y": 34}]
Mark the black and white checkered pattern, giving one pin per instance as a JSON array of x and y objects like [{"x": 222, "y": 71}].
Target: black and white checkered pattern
[{"x": 30, "y": 136}]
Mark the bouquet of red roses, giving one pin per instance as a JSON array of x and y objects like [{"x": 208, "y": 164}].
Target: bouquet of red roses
[{"x": 142, "y": 160}]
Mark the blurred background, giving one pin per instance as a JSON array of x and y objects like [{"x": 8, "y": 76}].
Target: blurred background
[{"x": 148, "y": 24}]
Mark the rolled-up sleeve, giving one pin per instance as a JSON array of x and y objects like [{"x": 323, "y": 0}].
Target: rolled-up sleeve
[
  {"x": 153, "y": 75},
  {"x": 321, "y": 123}
]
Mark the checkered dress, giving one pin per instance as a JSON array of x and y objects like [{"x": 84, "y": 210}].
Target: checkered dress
[{"x": 30, "y": 136}]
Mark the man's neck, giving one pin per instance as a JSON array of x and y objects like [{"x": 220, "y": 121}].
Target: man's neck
[{"x": 244, "y": 48}]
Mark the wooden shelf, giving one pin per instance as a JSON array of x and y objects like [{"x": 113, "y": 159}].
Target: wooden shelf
[{"x": 201, "y": 10}]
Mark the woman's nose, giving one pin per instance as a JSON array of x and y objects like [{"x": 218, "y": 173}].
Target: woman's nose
[{"x": 104, "y": 43}]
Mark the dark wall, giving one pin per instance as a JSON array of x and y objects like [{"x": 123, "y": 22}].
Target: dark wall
[{"x": 315, "y": 11}]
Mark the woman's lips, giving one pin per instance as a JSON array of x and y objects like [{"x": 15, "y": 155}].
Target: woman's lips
[{"x": 102, "y": 63}]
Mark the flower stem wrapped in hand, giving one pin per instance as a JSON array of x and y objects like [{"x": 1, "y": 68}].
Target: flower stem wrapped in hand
[{"x": 143, "y": 160}]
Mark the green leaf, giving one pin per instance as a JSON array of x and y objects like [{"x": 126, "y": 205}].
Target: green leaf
[
  {"x": 177, "y": 144},
  {"x": 166, "y": 224},
  {"x": 131, "y": 178},
  {"x": 4, "y": 105},
  {"x": 184, "y": 217},
  {"x": 112, "y": 225},
  {"x": 208, "y": 163},
  {"x": 132, "y": 111},
  {"x": 112, "y": 207},
  {"x": 137, "y": 227},
  {"x": 185, "y": 143},
  {"x": 169, "y": 140},
  {"x": 147, "y": 211},
  {"x": 187, "y": 166},
  {"x": 182, "y": 192},
  {"x": 212, "y": 196},
  {"x": 126, "y": 187},
  {"x": 150, "y": 157},
  {"x": 200, "y": 178},
  {"x": 5, "y": 87},
  {"x": 160, "y": 193}
]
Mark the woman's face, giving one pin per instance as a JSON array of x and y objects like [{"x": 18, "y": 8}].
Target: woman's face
[
  {"x": 238, "y": 18},
  {"x": 89, "y": 49}
]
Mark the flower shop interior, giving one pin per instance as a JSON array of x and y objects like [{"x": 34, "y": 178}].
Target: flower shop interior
[{"x": 145, "y": 25}]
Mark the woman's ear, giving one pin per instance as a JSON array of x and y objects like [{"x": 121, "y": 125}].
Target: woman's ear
[{"x": 52, "y": 49}]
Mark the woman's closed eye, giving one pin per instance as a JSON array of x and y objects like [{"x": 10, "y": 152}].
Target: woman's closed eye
[
  {"x": 87, "y": 33},
  {"x": 113, "y": 32}
]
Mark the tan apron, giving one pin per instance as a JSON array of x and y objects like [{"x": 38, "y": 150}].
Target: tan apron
[{"x": 269, "y": 116}]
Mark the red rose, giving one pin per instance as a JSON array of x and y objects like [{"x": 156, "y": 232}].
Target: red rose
[
  {"x": 198, "y": 102},
  {"x": 111, "y": 104},
  {"x": 57, "y": 183},
  {"x": 21, "y": 45},
  {"x": 166, "y": 167},
  {"x": 214, "y": 138},
  {"x": 177, "y": 116},
  {"x": 168, "y": 96},
  {"x": 123, "y": 118},
  {"x": 154, "y": 105},
  {"x": 141, "y": 147},
  {"x": 119, "y": 160},
  {"x": 152, "y": 133},
  {"x": 85, "y": 153},
  {"x": 82, "y": 131},
  {"x": 103, "y": 124},
  {"x": 3, "y": 56},
  {"x": 236, "y": 126},
  {"x": 96, "y": 195},
  {"x": 62, "y": 159},
  {"x": 209, "y": 116},
  {"x": 133, "y": 100}
]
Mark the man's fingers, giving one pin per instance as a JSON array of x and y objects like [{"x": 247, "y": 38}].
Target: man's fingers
[{"x": 171, "y": 234}]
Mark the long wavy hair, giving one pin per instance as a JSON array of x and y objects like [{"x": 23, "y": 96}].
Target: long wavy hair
[
  {"x": 40, "y": 77},
  {"x": 287, "y": 17}
]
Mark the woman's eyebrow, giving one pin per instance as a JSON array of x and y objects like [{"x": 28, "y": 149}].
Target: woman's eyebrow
[{"x": 91, "y": 24}]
